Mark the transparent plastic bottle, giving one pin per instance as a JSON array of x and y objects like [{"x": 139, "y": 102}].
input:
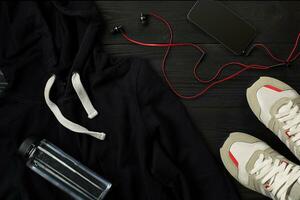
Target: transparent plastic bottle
[{"x": 63, "y": 171}]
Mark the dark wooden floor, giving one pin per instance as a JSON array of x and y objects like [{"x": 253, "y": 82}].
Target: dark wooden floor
[{"x": 224, "y": 108}]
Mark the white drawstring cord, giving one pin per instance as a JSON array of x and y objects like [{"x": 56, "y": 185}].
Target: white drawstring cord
[
  {"x": 82, "y": 95},
  {"x": 59, "y": 116}
]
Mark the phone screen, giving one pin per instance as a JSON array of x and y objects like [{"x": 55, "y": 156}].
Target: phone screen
[{"x": 223, "y": 25}]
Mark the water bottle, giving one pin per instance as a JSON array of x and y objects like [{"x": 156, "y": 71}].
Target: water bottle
[{"x": 63, "y": 171}]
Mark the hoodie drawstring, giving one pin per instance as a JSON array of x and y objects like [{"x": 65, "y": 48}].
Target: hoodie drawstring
[
  {"x": 83, "y": 97},
  {"x": 85, "y": 101}
]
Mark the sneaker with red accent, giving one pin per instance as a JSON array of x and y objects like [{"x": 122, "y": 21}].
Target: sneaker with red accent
[
  {"x": 276, "y": 105},
  {"x": 258, "y": 167}
]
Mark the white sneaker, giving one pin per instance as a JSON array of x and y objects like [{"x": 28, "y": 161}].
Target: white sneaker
[
  {"x": 258, "y": 167},
  {"x": 276, "y": 105}
]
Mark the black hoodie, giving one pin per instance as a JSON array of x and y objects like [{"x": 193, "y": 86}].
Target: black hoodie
[{"x": 150, "y": 150}]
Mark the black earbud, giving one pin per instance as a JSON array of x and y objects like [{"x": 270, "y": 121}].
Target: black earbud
[
  {"x": 144, "y": 19},
  {"x": 117, "y": 29},
  {"x": 120, "y": 29}
]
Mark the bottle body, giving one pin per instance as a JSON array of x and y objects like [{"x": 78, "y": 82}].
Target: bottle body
[{"x": 65, "y": 172}]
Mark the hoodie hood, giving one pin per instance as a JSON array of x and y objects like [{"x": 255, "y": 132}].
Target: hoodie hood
[{"x": 51, "y": 38}]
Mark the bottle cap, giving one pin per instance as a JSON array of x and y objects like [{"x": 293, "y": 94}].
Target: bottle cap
[{"x": 27, "y": 146}]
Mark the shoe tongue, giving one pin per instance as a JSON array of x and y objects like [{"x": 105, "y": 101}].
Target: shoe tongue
[
  {"x": 253, "y": 159},
  {"x": 283, "y": 108},
  {"x": 281, "y": 105},
  {"x": 294, "y": 192}
]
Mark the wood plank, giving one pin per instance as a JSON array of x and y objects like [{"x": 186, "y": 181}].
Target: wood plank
[
  {"x": 275, "y": 21},
  {"x": 180, "y": 67},
  {"x": 224, "y": 109}
]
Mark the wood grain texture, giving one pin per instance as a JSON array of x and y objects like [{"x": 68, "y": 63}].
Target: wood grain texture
[
  {"x": 272, "y": 19},
  {"x": 224, "y": 108},
  {"x": 3, "y": 84}
]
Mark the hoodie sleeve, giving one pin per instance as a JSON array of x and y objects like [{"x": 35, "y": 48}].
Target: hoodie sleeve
[{"x": 179, "y": 158}]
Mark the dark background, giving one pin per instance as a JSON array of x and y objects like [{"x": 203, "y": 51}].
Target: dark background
[{"x": 224, "y": 108}]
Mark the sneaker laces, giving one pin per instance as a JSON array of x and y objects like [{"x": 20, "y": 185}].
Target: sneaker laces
[
  {"x": 289, "y": 114},
  {"x": 277, "y": 175}
]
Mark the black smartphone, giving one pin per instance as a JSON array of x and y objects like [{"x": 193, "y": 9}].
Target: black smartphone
[{"x": 222, "y": 24}]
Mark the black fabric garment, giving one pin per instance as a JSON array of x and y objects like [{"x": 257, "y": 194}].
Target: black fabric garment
[{"x": 151, "y": 150}]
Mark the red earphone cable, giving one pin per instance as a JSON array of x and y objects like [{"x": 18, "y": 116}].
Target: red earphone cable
[
  {"x": 212, "y": 81},
  {"x": 290, "y": 59}
]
